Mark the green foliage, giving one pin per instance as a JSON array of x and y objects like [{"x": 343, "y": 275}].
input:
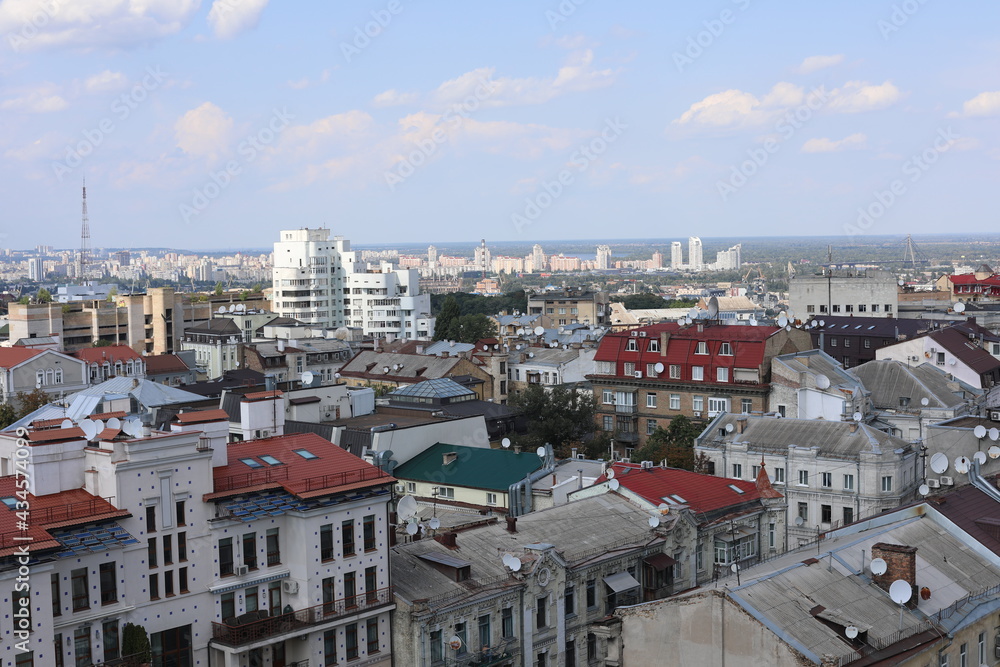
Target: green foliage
[
  {"x": 243, "y": 295},
  {"x": 112, "y": 294},
  {"x": 31, "y": 401},
  {"x": 471, "y": 304},
  {"x": 101, "y": 342},
  {"x": 8, "y": 415},
  {"x": 66, "y": 308},
  {"x": 559, "y": 416},
  {"x": 598, "y": 447},
  {"x": 449, "y": 314},
  {"x": 257, "y": 289},
  {"x": 44, "y": 296},
  {"x": 470, "y": 328},
  {"x": 646, "y": 301},
  {"x": 218, "y": 289},
  {"x": 674, "y": 444},
  {"x": 135, "y": 643}
]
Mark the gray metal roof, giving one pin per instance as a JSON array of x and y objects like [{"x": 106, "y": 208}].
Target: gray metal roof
[
  {"x": 832, "y": 438},
  {"x": 889, "y": 380},
  {"x": 436, "y": 388},
  {"x": 816, "y": 363}
]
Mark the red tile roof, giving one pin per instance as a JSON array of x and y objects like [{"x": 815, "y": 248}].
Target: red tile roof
[
  {"x": 202, "y": 416},
  {"x": 12, "y": 356},
  {"x": 55, "y": 435},
  {"x": 262, "y": 395},
  {"x": 110, "y": 353},
  {"x": 971, "y": 279},
  {"x": 118, "y": 414},
  {"x": 333, "y": 469},
  {"x": 165, "y": 363},
  {"x": 973, "y": 356},
  {"x": 702, "y": 493}
]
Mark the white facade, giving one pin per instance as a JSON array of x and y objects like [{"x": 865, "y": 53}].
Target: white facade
[
  {"x": 856, "y": 292},
  {"x": 695, "y": 253},
  {"x": 603, "y": 257},
  {"x": 676, "y": 255},
  {"x": 388, "y": 302},
  {"x": 924, "y": 349}
]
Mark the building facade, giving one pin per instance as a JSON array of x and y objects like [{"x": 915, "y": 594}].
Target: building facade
[{"x": 866, "y": 293}]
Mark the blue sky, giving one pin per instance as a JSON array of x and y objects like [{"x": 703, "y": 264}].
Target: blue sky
[{"x": 216, "y": 124}]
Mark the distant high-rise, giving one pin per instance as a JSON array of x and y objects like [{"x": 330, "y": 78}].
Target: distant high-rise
[
  {"x": 537, "y": 259},
  {"x": 432, "y": 256},
  {"x": 84, "y": 238},
  {"x": 676, "y": 255},
  {"x": 36, "y": 269},
  {"x": 657, "y": 260},
  {"x": 695, "y": 260},
  {"x": 603, "y": 257},
  {"x": 482, "y": 257},
  {"x": 728, "y": 260}
]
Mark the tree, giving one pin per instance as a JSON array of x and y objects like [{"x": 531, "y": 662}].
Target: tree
[
  {"x": 44, "y": 296},
  {"x": 640, "y": 301},
  {"x": 101, "y": 342},
  {"x": 559, "y": 416},
  {"x": 218, "y": 289},
  {"x": 24, "y": 300},
  {"x": 112, "y": 293},
  {"x": 470, "y": 328},
  {"x": 257, "y": 288},
  {"x": 8, "y": 415},
  {"x": 448, "y": 315},
  {"x": 598, "y": 447},
  {"x": 135, "y": 643},
  {"x": 31, "y": 401},
  {"x": 674, "y": 444},
  {"x": 243, "y": 295}
]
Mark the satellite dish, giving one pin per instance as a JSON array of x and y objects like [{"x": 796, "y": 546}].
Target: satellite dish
[
  {"x": 435, "y": 523},
  {"x": 962, "y": 464},
  {"x": 878, "y": 566},
  {"x": 823, "y": 382},
  {"x": 900, "y": 282},
  {"x": 851, "y": 632},
  {"x": 782, "y": 321},
  {"x": 412, "y": 528},
  {"x": 733, "y": 567},
  {"x": 993, "y": 452},
  {"x": 406, "y": 508},
  {"x": 939, "y": 463},
  {"x": 232, "y": 309},
  {"x": 610, "y": 474},
  {"x": 924, "y": 401},
  {"x": 654, "y": 522},
  {"x": 455, "y": 642},
  {"x": 994, "y": 433},
  {"x": 99, "y": 425},
  {"x": 505, "y": 442},
  {"x": 539, "y": 331},
  {"x": 221, "y": 310},
  {"x": 788, "y": 327},
  {"x": 900, "y": 591},
  {"x": 541, "y": 452},
  {"x": 980, "y": 431},
  {"x": 857, "y": 416},
  {"x": 713, "y": 307},
  {"x": 952, "y": 362},
  {"x": 67, "y": 423},
  {"x": 614, "y": 484},
  {"x": 115, "y": 423},
  {"x": 822, "y": 323},
  {"x": 336, "y": 375},
  {"x": 385, "y": 369},
  {"x": 682, "y": 321},
  {"x": 658, "y": 367},
  {"x": 979, "y": 457},
  {"x": 924, "y": 489},
  {"x": 730, "y": 428},
  {"x": 693, "y": 313},
  {"x": 89, "y": 429},
  {"x": 799, "y": 521},
  {"x": 753, "y": 322},
  {"x": 663, "y": 507},
  {"x": 307, "y": 377},
  {"x": 959, "y": 307},
  {"x": 485, "y": 348}
]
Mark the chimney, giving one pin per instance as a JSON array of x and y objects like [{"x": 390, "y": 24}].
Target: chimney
[
  {"x": 854, "y": 426},
  {"x": 573, "y": 452},
  {"x": 420, "y": 349},
  {"x": 447, "y": 539},
  {"x": 741, "y": 425},
  {"x": 901, "y": 563},
  {"x": 445, "y": 354},
  {"x": 517, "y": 449},
  {"x": 580, "y": 471},
  {"x": 512, "y": 524},
  {"x": 450, "y": 457}
]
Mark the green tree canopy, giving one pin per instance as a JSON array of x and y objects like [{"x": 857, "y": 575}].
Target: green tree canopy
[
  {"x": 673, "y": 444},
  {"x": 8, "y": 415},
  {"x": 44, "y": 296},
  {"x": 446, "y": 318},
  {"x": 31, "y": 401},
  {"x": 559, "y": 416},
  {"x": 218, "y": 289},
  {"x": 470, "y": 328}
]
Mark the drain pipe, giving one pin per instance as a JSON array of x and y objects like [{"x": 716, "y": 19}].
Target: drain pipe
[
  {"x": 980, "y": 483},
  {"x": 520, "y": 492}
]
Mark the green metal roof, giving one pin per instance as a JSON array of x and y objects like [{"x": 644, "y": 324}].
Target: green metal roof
[{"x": 475, "y": 467}]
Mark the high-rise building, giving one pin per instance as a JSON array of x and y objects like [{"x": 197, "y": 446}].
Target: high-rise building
[
  {"x": 537, "y": 259},
  {"x": 676, "y": 255},
  {"x": 657, "y": 261},
  {"x": 603, "y": 257},
  {"x": 695, "y": 260},
  {"x": 432, "y": 256},
  {"x": 728, "y": 260},
  {"x": 481, "y": 258},
  {"x": 36, "y": 269}
]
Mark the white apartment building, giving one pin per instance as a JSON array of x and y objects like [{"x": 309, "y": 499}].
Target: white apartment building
[
  {"x": 676, "y": 255},
  {"x": 266, "y": 552},
  {"x": 695, "y": 253},
  {"x": 866, "y": 293},
  {"x": 603, "y": 257},
  {"x": 387, "y": 302}
]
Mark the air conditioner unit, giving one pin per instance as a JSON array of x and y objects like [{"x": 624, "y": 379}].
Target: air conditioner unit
[
  {"x": 289, "y": 587},
  {"x": 400, "y": 488},
  {"x": 697, "y": 414},
  {"x": 934, "y": 484},
  {"x": 995, "y": 416},
  {"x": 240, "y": 570},
  {"x": 581, "y": 456},
  {"x": 947, "y": 481},
  {"x": 638, "y": 375},
  {"x": 914, "y": 358},
  {"x": 996, "y": 646},
  {"x": 645, "y": 465}
]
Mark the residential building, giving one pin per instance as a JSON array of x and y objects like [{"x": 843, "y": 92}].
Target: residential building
[
  {"x": 958, "y": 437},
  {"x": 397, "y": 435},
  {"x": 982, "y": 285},
  {"x": 856, "y": 340},
  {"x": 289, "y": 359},
  {"x": 36, "y": 269},
  {"x": 831, "y": 473},
  {"x": 676, "y": 255},
  {"x": 645, "y": 377},
  {"x": 813, "y": 385},
  {"x": 170, "y": 369},
  {"x": 729, "y": 260},
  {"x": 624, "y": 318},
  {"x": 603, "y": 257},
  {"x": 24, "y": 369},
  {"x": 953, "y": 350},
  {"x": 449, "y": 398},
  {"x": 310, "y": 276},
  {"x": 386, "y": 371},
  {"x": 217, "y": 346},
  {"x": 104, "y": 363},
  {"x": 733, "y": 309},
  {"x": 387, "y": 302},
  {"x": 550, "y": 366},
  {"x": 569, "y": 306},
  {"x": 695, "y": 254},
  {"x": 861, "y": 292},
  {"x": 457, "y": 601}
]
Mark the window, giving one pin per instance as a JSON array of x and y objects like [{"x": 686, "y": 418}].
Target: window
[
  {"x": 675, "y": 371},
  {"x": 151, "y": 519},
  {"x": 507, "y": 622},
  {"x": 569, "y": 602},
  {"x": 329, "y": 595},
  {"x": 862, "y": 307},
  {"x": 675, "y": 401},
  {"x": 963, "y": 655},
  {"x": 168, "y": 550},
  {"x": 781, "y": 410},
  {"x": 875, "y": 308},
  {"x": 722, "y": 374},
  {"x": 109, "y": 590},
  {"x": 868, "y": 343},
  {"x": 368, "y": 529},
  {"x": 702, "y": 348},
  {"x": 943, "y": 660},
  {"x": 571, "y": 653},
  {"x": 738, "y": 470},
  {"x": 330, "y": 647},
  {"x": 811, "y": 308},
  {"x": 371, "y": 629},
  {"x": 168, "y": 583},
  {"x": 491, "y": 499},
  {"x": 81, "y": 646},
  {"x": 250, "y": 550},
  {"x": 654, "y": 345},
  {"x": 151, "y": 552},
  {"x": 225, "y": 556},
  {"x": 541, "y": 607},
  {"x": 351, "y": 641},
  {"x": 273, "y": 547},
  {"x": 631, "y": 346},
  {"x": 182, "y": 579},
  {"x": 651, "y": 426},
  {"x": 437, "y": 647},
  {"x": 179, "y": 506},
  {"x": 326, "y": 542},
  {"x": 804, "y": 511},
  {"x": 350, "y": 590},
  {"x": 608, "y": 396},
  {"x": 591, "y": 646},
  {"x": 847, "y": 342},
  {"x": 543, "y": 659},
  {"x": 940, "y": 358},
  {"x": 697, "y": 373},
  {"x": 699, "y": 557},
  {"x": 609, "y": 423},
  {"x": 849, "y": 308},
  {"x": 484, "y": 631},
  {"x": 826, "y": 513},
  {"x": 754, "y": 471},
  {"x": 56, "y": 595},
  {"x": 460, "y": 631},
  {"x": 27, "y": 659},
  {"x": 726, "y": 349},
  {"x": 591, "y": 593},
  {"x": 154, "y": 586},
  {"x": 717, "y": 405},
  {"x": 651, "y": 400},
  {"x": 886, "y": 483},
  {"x": 827, "y": 479},
  {"x": 836, "y": 307},
  {"x": 803, "y": 478},
  {"x": 112, "y": 649},
  {"x": 771, "y": 535},
  {"x": 779, "y": 475},
  {"x": 81, "y": 591},
  {"x": 888, "y": 308},
  {"x": 746, "y": 405},
  {"x": 833, "y": 342},
  {"x": 182, "y": 547},
  {"x": 446, "y": 492},
  {"x": 697, "y": 403},
  {"x": 982, "y": 648},
  {"x": 411, "y": 487},
  {"x": 848, "y": 515},
  {"x": 848, "y": 482},
  {"x": 629, "y": 367}
]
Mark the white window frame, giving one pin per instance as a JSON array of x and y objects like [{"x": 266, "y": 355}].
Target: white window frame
[
  {"x": 722, "y": 374},
  {"x": 675, "y": 401},
  {"x": 803, "y": 478},
  {"x": 651, "y": 399},
  {"x": 698, "y": 373},
  {"x": 726, "y": 350},
  {"x": 886, "y": 483},
  {"x": 848, "y": 482}
]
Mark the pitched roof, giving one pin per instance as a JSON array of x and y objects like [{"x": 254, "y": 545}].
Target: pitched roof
[
  {"x": 888, "y": 380},
  {"x": 165, "y": 363},
  {"x": 217, "y": 326},
  {"x": 474, "y": 467},
  {"x": 749, "y": 353},
  {"x": 430, "y": 389},
  {"x": 966, "y": 351},
  {"x": 202, "y": 416},
  {"x": 12, "y": 356},
  {"x": 875, "y": 327},
  {"x": 402, "y": 367},
  {"x": 701, "y": 493},
  {"x": 110, "y": 353}
]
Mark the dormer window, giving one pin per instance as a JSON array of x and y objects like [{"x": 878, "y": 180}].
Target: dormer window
[
  {"x": 702, "y": 348},
  {"x": 726, "y": 349}
]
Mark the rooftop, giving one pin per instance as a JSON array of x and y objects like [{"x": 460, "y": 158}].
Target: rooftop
[
  {"x": 889, "y": 380},
  {"x": 472, "y": 467}
]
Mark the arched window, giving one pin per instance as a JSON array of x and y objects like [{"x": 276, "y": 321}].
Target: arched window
[
  {"x": 59, "y": 376},
  {"x": 39, "y": 378},
  {"x": 49, "y": 376}
]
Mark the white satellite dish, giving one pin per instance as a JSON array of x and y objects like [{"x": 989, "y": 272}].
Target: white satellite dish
[
  {"x": 412, "y": 528},
  {"x": 658, "y": 367},
  {"x": 406, "y": 508},
  {"x": 994, "y": 433},
  {"x": 336, "y": 375},
  {"x": 924, "y": 401},
  {"x": 730, "y": 428},
  {"x": 822, "y": 323},
  {"x": 221, "y": 310},
  {"x": 307, "y": 377},
  {"x": 541, "y": 452},
  {"x": 485, "y": 348},
  {"x": 952, "y": 362},
  {"x": 654, "y": 522},
  {"x": 435, "y": 523},
  {"x": 505, "y": 442},
  {"x": 900, "y": 282},
  {"x": 713, "y": 308},
  {"x": 851, "y": 632},
  {"x": 822, "y": 382},
  {"x": 878, "y": 566},
  {"x": 682, "y": 321},
  {"x": 788, "y": 327},
  {"x": 67, "y": 423},
  {"x": 924, "y": 489},
  {"x": 89, "y": 429},
  {"x": 385, "y": 369},
  {"x": 939, "y": 463},
  {"x": 959, "y": 307},
  {"x": 614, "y": 484},
  {"x": 857, "y": 416},
  {"x": 496, "y": 347},
  {"x": 539, "y": 331},
  {"x": 99, "y": 424},
  {"x": 962, "y": 464},
  {"x": 993, "y": 452},
  {"x": 610, "y": 474},
  {"x": 232, "y": 309},
  {"x": 733, "y": 567},
  {"x": 753, "y": 322},
  {"x": 663, "y": 507},
  {"x": 115, "y": 423},
  {"x": 979, "y": 457},
  {"x": 900, "y": 591},
  {"x": 980, "y": 431},
  {"x": 799, "y": 521},
  {"x": 693, "y": 313},
  {"x": 782, "y": 321}
]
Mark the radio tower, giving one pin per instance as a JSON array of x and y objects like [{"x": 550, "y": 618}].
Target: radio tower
[{"x": 84, "y": 237}]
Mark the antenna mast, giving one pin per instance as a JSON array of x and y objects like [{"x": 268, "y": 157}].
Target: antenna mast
[{"x": 84, "y": 236}]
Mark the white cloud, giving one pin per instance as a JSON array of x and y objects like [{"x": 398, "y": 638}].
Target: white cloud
[
  {"x": 859, "y": 96},
  {"x": 39, "y": 24},
  {"x": 104, "y": 82},
  {"x": 43, "y": 98},
  {"x": 983, "y": 104},
  {"x": 205, "y": 131},
  {"x": 824, "y": 145},
  {"x": 306, "y": 82},
  {"x": 813, "y": 63},
  {"x": 392, "y": 98},
  {"x": 229, "y": 18}
]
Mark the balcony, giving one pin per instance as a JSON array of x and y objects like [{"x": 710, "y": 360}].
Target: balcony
[
  {"x": 627, "y": 409},
  {"x": 251, "y": 628},
  {"x": 627, "y": 436}
]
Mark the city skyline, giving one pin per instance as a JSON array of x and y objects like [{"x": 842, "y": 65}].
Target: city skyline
[{"x": 557, "y": 121}]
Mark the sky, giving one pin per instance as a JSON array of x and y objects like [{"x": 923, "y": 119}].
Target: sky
[{"x": 215, "y": 124}]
